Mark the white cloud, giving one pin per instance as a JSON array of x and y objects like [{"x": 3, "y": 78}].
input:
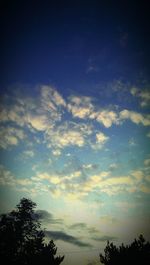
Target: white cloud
[
  {"x": 135, "y": 117},
  {"x": 28, "y": 153},
  {"x": 80, "y": 107},
  {"x": 10, "y": 136},
  {"x": 101, "y": 138},
  {"x": 68, "y": 134},
  {"x": 106, "y": 117},
  {"x": 38, "y": 122},
  {"x": 51, "y": 99},
  {"x": 88, "y": 166},
  {"x": 143, "y": 95},
  {"x": 44, "y": 114},
  {"x": 123, "y": 180},
  {"x": 56, "y": 152},
  {"x": 7, "y": 179},
  {"x": 67, "y": 138},
  {"x": 14, "y": 114}
]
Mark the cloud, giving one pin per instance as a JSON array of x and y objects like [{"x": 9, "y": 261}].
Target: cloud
[
  {"x": 90, "y": 166},
  {"x": 38, "y": 113},
  {"x": 14, "y": 113},
  {"x": 80, "y": 107},
  {"x": 92, "y": 183},
  {"x": 113, "y": 166},
  {"x": 29, "y": 185},
  {"x": 135, "y": 117},
  {"x": 92, "y": 68},
  {"x": 123, "y": 180},
  {"x": 108, "y": 219},
  {"x": 52, "y": 103},
  {"x": 106, "y": 117},
  {"x": 51, "y": 98},
  {"x": 10, "y": 136},
  {"x": 47, "y": 217},
  {"x": 145, "y": 188},
  {"x": 54, "y": 179},
  {"x": 38, "y": 122},
  {"x": 28, "y": 153},
  {"x": 76, "y": 185},
  {"x": 105, "y": 238},
  {"x": 138, "y": 174},
  {"x": 68, "y": 134},
  {"x": 46, "y": 116},
  {"x": 79, "y": 226},
  {"x": 92, "y": 230},
  {"x": 110, "y": 185},
  {"x": 56, "y": 152},
  {"x": 143, "y": 95},
  {"x": 134, "y": 91},
  {"x": 82, "y": 227},
  {"x": 58, "y": 235},
  {"x": 101, "y": 138},
  {"x": 7, "y": 179},
  {"x": 147, "y": 162}
]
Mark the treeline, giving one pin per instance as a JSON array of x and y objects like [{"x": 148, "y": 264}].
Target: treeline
[{"x": 22, "y": 242}]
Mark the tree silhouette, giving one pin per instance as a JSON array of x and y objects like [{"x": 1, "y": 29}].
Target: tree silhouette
[
  {"x": 22, "y": 241},
  {"x": 138, "y": 252}
]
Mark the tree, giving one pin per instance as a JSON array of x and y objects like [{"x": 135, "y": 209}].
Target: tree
[
  {"x": 138, "y": 252},
  {"x": 22, "y": 241}
]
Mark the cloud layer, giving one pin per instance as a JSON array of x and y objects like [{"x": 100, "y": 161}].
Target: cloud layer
[{"x": 63, "y": 122}]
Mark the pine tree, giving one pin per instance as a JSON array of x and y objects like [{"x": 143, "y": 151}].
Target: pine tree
[{"x": 22, "y": 241}]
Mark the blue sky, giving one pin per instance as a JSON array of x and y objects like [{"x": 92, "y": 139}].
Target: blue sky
[{"x": 75, "y": 121}]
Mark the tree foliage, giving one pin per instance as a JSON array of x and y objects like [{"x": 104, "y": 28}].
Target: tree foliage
[
  {"x": 22, "y": 241},
  {"x": 138, "y": 252}
]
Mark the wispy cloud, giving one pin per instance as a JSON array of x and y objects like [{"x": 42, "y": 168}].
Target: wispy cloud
[
  {"x": 47, "y": 217},
  {"x": 51, "y": 99},
  {"x": 58, "y": 235},
  {"x": 105, "y": 238},
  {"x": 80, "y": 226}
]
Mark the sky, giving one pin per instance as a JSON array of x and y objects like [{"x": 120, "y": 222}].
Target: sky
[{"x": 75, "y": 120}]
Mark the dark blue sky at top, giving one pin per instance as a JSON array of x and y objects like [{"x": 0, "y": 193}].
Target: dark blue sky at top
[{"x": 74, "y": 43}]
